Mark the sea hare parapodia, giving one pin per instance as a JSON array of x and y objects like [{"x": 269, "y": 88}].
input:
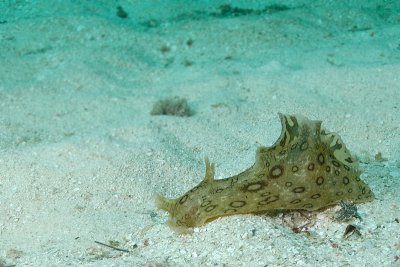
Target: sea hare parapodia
[{"x": 307, "y": 168}]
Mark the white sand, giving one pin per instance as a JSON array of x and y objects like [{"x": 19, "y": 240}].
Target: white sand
[{"x": 81, "y": 157}]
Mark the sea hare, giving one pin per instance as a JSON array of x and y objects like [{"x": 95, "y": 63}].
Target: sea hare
[{"x": 307, "y": 168}]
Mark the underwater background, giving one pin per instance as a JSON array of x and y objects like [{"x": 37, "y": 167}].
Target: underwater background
[{"x": 103, "y": 104}]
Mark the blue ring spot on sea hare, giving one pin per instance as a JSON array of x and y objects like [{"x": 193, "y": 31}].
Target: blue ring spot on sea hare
[
  {"x": 237, "y": 204},
  {"x": 276, "y": 171}
]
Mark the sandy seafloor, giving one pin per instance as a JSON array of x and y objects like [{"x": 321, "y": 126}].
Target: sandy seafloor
[{"x": 81, "y": 157}]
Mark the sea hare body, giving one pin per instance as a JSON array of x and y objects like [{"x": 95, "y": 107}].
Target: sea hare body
[{"x": 306, "y": 169}]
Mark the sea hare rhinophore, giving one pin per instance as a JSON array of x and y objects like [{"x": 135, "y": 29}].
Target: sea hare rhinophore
[{"x": 307, "y": 168}]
